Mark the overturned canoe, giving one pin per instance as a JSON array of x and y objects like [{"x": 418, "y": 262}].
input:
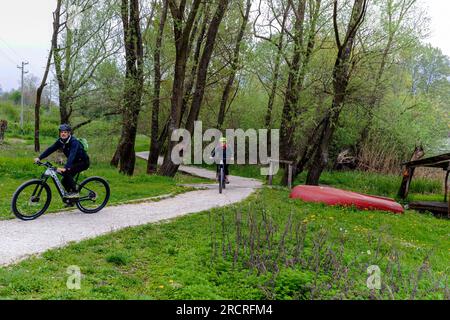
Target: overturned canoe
[{"x": 337, "y": 197}]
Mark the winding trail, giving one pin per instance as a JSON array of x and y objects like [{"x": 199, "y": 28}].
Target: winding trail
[{"x": 20, "y": 239}]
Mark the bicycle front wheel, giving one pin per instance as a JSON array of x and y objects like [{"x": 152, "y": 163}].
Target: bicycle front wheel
[
  {"x": 94, "y": 195},
  {"x": 31, "y": 200},
  {"x": 221, "y": 180}
]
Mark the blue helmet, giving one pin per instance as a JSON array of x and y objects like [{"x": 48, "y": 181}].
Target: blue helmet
[{"x": 65, "y": 127}]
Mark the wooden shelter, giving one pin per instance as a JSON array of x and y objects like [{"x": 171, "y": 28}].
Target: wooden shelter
[{"x": 439, "y": 162}]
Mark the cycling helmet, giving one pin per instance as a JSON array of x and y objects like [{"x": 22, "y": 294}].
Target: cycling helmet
[
  {"x": 65, "y": 127},
  {"x": 223, "y": 140}
]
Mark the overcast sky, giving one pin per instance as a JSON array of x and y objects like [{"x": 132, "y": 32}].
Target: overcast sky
[{"x": 25, "y": 32}]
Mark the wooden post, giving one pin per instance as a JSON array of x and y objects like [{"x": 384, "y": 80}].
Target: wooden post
[
  {"x": 404, "y": 187},
  {"x": 289, "y": 163},
  {"x": 409, "y": 172}
]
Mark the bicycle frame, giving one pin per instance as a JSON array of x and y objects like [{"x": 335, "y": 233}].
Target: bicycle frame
[{"x": 51, "y": 173}]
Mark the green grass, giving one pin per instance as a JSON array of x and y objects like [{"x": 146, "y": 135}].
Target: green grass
[{"x": 184, "y": 259}]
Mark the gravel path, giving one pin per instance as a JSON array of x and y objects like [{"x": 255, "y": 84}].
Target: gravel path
[{"x": 20, "y": 239}]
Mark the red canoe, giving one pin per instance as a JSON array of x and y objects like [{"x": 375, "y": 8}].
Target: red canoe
[{"x": 337, "y": 197}]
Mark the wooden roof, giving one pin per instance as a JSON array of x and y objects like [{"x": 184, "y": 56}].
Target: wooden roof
[{"x": 441, "y": 161}]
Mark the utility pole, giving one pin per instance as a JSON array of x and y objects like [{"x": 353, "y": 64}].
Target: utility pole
[{"x": 22, "y": 68}]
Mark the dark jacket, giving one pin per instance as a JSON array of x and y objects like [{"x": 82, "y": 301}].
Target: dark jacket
[
  {"x": 226, "y": 153},
  {"x": 72, "y": 149}
]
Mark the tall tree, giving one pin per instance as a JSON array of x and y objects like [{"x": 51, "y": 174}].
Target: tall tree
[
  {"x": 396, "y": 12},
  {"x": 40, "y": 89},
  {"x": 182, "y": 28},
  {"x": 280, "y": 45},
  {"x": 204, "y": 63},
  {"x": 169, "y": 168},
  {"x": 234, "y": 66},
  {"x": 292, "y": 108},
  {"x": 341, "y": 78},
  {"x": 86, "y": 40},
  {"x": 125, "y": 154},
  {"x": 154, "y": 144},
  {"x": 292, "y": 89}
]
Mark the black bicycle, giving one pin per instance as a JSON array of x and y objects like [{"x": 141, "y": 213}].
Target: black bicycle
[{"x": 33, "y": 198}]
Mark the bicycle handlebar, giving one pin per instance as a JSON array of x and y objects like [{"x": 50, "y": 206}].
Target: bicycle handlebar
[{"x": 45, "y": 164}]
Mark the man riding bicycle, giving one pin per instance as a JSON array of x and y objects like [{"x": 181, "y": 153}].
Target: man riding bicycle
[
  {"x": 226, "y": 153},
  {"x": 77, "y": 159}
]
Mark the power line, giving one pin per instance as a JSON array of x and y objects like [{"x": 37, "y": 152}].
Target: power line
[
  {"x": 8, "y": 57},
  {"x": 11, "y": 49}
]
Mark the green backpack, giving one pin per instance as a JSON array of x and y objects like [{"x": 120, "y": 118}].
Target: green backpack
[{"x": 84, "y": 143}]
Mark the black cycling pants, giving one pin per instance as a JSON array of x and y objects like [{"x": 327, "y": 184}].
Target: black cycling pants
[{"x": 68, "y": 180}]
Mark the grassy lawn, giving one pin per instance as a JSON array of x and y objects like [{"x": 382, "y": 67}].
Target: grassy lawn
[{"x": 268, "y": 247}]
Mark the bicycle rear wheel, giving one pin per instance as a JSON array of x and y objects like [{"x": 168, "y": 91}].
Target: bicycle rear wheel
[
  {"x": 94, "y": 195},
  {"x": 31, "y": 200}
]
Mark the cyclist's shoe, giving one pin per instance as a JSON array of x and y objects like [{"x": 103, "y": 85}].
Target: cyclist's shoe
[
  {"x": 227, "y": 181},
  {"x": 72, "y": 195}
]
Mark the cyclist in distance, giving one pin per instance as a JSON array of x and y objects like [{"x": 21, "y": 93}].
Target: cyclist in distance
[
  {"x": 77, "y": 158},
  {"x": 223, "y": 150}
]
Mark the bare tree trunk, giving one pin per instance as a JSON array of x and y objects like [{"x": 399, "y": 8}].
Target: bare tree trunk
[
  {"x": 133, "y": 86},
  {"x": 40, "y": 89},
  {"x": 63, "y": 76},
  {"x": 292, "y": 110},
  {"x": 276, "y": 73},
  {"x": 198, "y": 49},
  {"x": 341, "y": 77},
  {"x": 169, "y": 168},
  {"x": 182, "y": 30},
  {"x": 234, "y": 67},
  {"x": 155, "y": 147},
  {"x": 292, "y": 89},
  {"x": 204, "y": 63}
]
